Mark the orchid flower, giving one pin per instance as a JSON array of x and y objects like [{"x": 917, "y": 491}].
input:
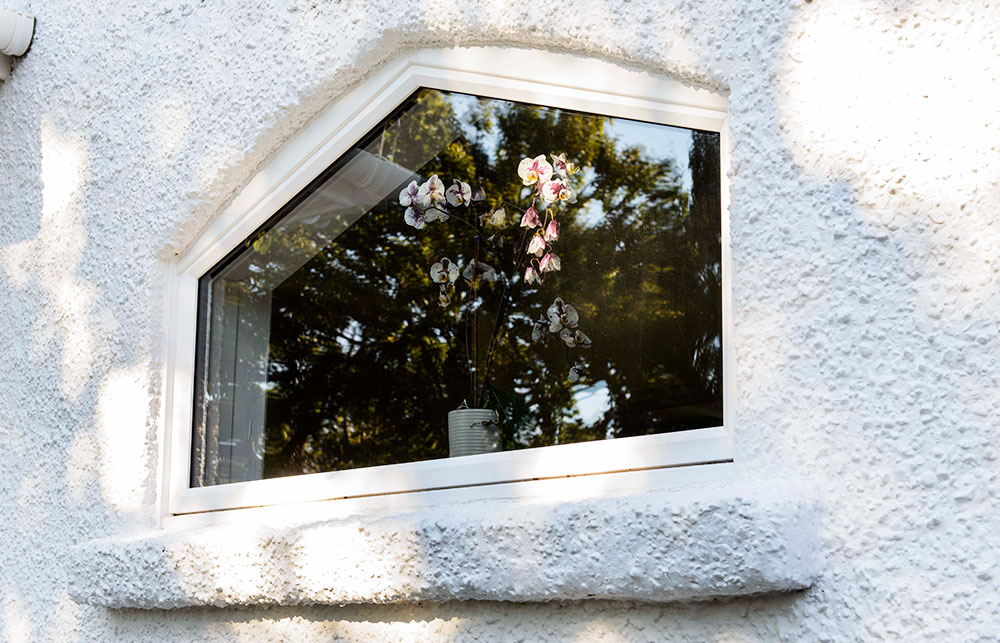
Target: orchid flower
[
  {"x": 557, "y": 190},
  {"x": 478, "y": 193},
  {"x": 552, "y": 231},
  {"x": 444, "y": 271},
  {"x": 415, "y": 217},
  {"x": 530, "y": 218},
  {"x": 459, "y": 194},
  {"x": 485, "y": 271},
  {"x": 409, "y": 194},
  {"x": 575, "y": 374},
  {"x": 496, "y": 218},
  {"x": 435, "y": 214},
  {"x": 536, "y": 246},
  {"x": 538, "y": 331},
  {"x": 531, "y": 275},
  {"x": 563, "y": 167},
  {"x": 443, "y": 298},
  {"x": 536, "y": 170},
  {"x": 561, "y": 316},
  {"x": 550, "y": 262},
  {"x": 431, "y": 192}
]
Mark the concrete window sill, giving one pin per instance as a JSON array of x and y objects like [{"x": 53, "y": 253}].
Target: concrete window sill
[{"x": 653, "y": 547}]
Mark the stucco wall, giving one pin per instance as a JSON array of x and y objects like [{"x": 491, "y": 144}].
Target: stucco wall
[{"x": 864, "y": 196}]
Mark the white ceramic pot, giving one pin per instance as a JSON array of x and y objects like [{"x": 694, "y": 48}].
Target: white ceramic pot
[{"x": 472, "y": 431}]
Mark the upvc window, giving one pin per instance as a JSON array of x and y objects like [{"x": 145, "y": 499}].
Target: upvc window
[{"x": 340, "y": 307}]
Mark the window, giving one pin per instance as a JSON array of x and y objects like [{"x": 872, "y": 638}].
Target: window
[{"x": 329, "y": 327}]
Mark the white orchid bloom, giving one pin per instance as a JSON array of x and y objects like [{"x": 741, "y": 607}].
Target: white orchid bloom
[
  {"x": 431, "y": 192},
  {"x": 563, "y": 167},
  {"x": 561, "y": 316},
  {"x": 415, "y": 217},
  {"x": 538, "y": 331},
  {"x": 444, "y": 271},
  {"x": 497, "y": 218},
  {"x": 435, "y": 215},
  {"x": 485, "y": 272},
  {"x": 409, "y": 194},
  {"x": 459, "y": 194}
]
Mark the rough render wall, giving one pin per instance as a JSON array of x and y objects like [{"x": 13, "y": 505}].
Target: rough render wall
[{"x": 864, "y": 196}]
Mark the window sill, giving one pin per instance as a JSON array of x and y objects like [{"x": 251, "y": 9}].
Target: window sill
[{"x": 685, "y": 545}]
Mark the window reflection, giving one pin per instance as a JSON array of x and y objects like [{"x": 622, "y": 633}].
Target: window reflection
[{"x": 322, "y": 346}]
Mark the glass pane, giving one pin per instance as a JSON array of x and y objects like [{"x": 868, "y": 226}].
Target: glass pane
[{"x": 326, "y": 343}]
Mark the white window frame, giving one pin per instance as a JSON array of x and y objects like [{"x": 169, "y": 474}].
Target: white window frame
[{"x": 544, "y": 78}]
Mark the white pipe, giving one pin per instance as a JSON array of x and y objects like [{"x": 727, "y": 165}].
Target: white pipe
[{"x": 16, "y": 30}]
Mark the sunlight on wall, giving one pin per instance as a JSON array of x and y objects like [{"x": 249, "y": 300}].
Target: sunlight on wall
[
  {"x": 171, "y": 122},
  {"x": 603, "y": 632},
  {"x": 64, "y": 624},
  {"x": 17, "y": 626},
  {"x": 121, "y": 416},
  {"x": 51, "y": 259},
  {"x": 896, "y": 102},
  {"x": 861, "y": 74},
  {"x": 80, "y": 459},
  {"x": 299, "y": 628}
]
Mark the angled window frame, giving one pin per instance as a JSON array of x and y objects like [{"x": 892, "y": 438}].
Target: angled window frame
[{"x": 530, "y": 76}]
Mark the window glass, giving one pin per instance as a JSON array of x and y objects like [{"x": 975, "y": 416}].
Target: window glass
[{"x": 342, "y": 333}]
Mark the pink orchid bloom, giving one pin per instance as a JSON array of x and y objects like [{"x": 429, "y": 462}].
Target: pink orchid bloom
[
  {"x": 531, "y": 275},
  {"x": 549, "y": 263},
  {"x": 536, "y": 246},
  {"x": 536, "y": 170},
  {"x": 530, "y": 218},
  {"x": 557, "y": 190},
  {"x": 552, "y": 231}
]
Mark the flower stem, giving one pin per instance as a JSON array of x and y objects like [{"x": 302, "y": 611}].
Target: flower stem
[{"x": 502, "y": 309}]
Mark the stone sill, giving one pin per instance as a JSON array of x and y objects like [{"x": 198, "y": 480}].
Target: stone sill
[{"x": 696, "y": 544}]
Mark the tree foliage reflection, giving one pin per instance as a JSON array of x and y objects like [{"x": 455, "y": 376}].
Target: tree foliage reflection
[{"x": 364, "y": 364}]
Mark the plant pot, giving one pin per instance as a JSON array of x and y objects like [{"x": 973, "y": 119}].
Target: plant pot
[{"x": 472, "y": 431}]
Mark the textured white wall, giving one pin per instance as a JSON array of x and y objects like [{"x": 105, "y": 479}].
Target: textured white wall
[{"x": 864, "y": 196}]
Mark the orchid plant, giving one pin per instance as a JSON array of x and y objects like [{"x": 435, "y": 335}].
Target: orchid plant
[{"x": 548, "y": 186}]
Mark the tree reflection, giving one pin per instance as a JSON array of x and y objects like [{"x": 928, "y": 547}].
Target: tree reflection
[{"x": 364, "y": 365}]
